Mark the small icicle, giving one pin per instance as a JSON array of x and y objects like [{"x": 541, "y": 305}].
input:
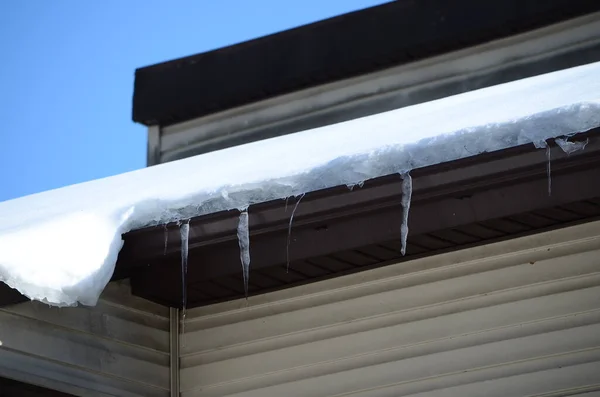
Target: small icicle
[
  {"x": 549, "y": 169},
  {"x": 406, "y": 197},
  {"x": 571, "y": 147},
  {"x": 290, "y": 232},
  {"x": 351, "y": 186},
  {"x": 243, "y": 233},
  {"x": 184, "y": 230},
  {"x": 166, "y": 238}
]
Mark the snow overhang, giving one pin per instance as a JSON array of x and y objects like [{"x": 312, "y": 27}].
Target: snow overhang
[{"x": 77, "y": 230}]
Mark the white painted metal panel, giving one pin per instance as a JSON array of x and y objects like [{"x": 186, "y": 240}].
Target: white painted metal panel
[
  {"x": 520, "y": 317},
  {"x": 118, "y": 348}
]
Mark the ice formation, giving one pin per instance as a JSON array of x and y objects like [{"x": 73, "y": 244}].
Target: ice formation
[
  {"x": 571, "y": 147},
  {"x": 545, "y": 145},
  {"x": 61, "y": 246},
  {"x": 289, "y": 237},
  {"x": 166, "y": 230},
  {"x": 184, "y": 230},
  {"x": 549, "y": 168},
  {"x": 406, "y": 198},
  {"x": 243, "y": 233},
  {"x": 351, "y": 186}
]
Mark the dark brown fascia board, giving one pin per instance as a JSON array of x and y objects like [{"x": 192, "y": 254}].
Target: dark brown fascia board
[
  {"x": 501, "y": 199},
  {"x": 518, "y": 175},
  {"x": 483, "y": 187}
]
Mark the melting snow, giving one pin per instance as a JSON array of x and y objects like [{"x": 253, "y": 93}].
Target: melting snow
[{"x": 61, "y": 246}]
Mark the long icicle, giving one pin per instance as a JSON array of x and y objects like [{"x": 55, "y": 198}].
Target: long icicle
[
  {"x": 243, "y": 233},
  {"x": 184, "y": 230},
  {"x": 406, "y": 197},
  {"x": 290, "y": 232},
  {"x": 549, "y": 169},
  {"x": 166, "y": 238}
]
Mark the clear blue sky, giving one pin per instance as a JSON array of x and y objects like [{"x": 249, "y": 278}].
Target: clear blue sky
[{"x": 67, "y": 67}]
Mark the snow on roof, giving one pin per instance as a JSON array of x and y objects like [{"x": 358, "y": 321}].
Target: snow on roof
[{"x": 61, "y": 246}]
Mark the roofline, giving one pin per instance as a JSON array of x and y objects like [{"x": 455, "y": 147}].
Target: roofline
[
  {"x": 552, "y": 48},
  {"x": 347, "y": 46},
  {"x": 195, "y": 58},
  {"x": 490, "y": 186},
  {"x": 446, "y": 196}
]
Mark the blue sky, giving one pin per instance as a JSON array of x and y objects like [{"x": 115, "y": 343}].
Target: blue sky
[{"x": 67, "y": 68}]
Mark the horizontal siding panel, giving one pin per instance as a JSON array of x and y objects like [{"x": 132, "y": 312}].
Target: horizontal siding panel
[
  {"x": 435, "y": 363},
  {"x": 111, "y": 348},
  {"x": 71, "y": 379},
  {"x": 103, "y": 320},
  {"x": 523, "y": 250},
  {"x": 397, "y": 342},
  {"x": 555, "y": 376},
  {"x": 460, "y": 322},
  {"x": 84, "y": 350},
  {"x": 376, "y": 310}
]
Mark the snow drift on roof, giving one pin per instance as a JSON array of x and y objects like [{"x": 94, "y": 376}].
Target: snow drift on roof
[{"x": 61, "y": 246}]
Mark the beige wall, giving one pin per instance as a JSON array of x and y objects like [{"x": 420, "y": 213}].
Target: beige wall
[
  {"x": 520, "y": 317},
  {"x": 118, "y": 348}
]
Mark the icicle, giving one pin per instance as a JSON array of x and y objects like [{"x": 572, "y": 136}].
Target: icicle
[
  {"x": 290, "y": 232},
  {"x": 184, "y": 230},
  {"x": 571, "y": 147},
  {"x": 351, "y": 186},
  {"x": 549, "y": 169},
  {"x": 243, "y": 234},
  {"x": 406, "y": 196},
  {"x": 166, "y": 238}
]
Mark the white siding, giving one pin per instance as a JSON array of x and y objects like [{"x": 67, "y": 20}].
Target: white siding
[
  {"x": 118, "y": 348},
  {"x": 520, "y": 317}
]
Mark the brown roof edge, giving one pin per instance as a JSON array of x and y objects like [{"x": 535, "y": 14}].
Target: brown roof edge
[
  {"x": 454, "y": 195},
  {"x": 346, "y": 46}
]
